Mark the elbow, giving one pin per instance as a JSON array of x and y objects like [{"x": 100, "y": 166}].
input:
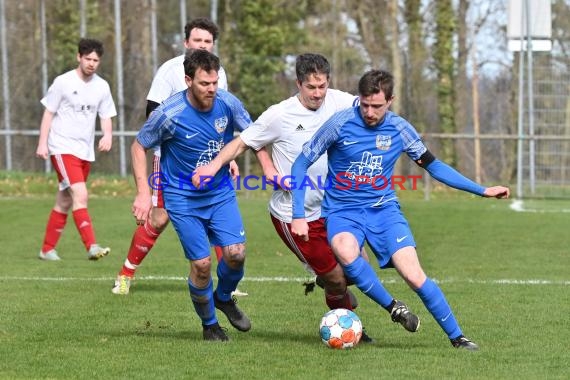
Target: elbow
[{"x": 137, "y": 148}]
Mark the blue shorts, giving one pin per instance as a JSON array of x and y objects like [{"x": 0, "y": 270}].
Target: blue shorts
[
  {"x": 219, "y": 224},
  {"x": 384, "y": 229}
]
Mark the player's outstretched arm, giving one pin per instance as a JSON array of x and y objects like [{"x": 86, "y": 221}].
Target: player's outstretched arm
[
  {"x": 499, "y": 192},
  {"x": 270, "y": 171}
]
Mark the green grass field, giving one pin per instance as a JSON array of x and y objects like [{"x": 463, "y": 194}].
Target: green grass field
[{"x": 505, "y": 274}]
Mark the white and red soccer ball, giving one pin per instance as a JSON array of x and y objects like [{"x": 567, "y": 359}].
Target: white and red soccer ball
[{"x": 340, "y": 329}]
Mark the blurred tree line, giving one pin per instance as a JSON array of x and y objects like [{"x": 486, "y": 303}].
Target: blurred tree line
[{"x": 443, "y": 54}]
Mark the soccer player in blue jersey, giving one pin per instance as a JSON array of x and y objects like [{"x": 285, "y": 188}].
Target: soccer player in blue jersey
[
  {"x": 191, "y": 127},
  {"x": 200, "y": 33},
  {"x": 363, "y": 144}
]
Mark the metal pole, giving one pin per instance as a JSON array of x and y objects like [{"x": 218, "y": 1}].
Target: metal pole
[
  {"x": 153, "y": 36},
  {"x": 334, "y": 61},
  {"x": 5, "y": 86},
  {"x": 476, "y": 125},
  {"x": 43, "y": 41},
  {"x": 182, "y": 16},
  {"x": 520, "y": 114},
  {"x": 120, "y": 100},
  {"x": 214, "y": 18},
  {"x": 83, "y": 19},
  {"x": 530, "y": 100}
]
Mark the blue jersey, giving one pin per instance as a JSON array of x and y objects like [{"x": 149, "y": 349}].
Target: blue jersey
[
  {"x": 361, "y": 160},
  {"x": 189, "y": 138}
]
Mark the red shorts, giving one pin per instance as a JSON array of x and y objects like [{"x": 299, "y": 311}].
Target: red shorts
[
  {"x": 157, "y": 198},
  {"x": 70, "y": 169},
  {"x": 316, "y": 252}
]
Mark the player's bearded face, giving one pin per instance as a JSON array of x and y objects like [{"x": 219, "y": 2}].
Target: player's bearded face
[
  {"x": 312, "y": 90},
  {"x": 373, "y": 108},
  {"x": 202, "y": 89}
]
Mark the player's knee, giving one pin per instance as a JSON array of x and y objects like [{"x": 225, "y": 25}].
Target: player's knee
[
  {"x": 79, "y": 200},
  {"x": 345, "y": 247},
  {"x": 234, "y": 255},
  {"x": 64, "y": 204},
  {"x": 159, "y": 219},
  {"x": 200, "y": 269}
]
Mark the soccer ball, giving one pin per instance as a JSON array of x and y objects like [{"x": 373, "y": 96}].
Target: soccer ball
[{"x": 340, "y": 329}]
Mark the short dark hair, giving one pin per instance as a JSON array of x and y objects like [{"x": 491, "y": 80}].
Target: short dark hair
[
  {"x": 195, "y": 59},
  {"x": 308, "y": 63},
  {"x": 376, "y": 81},
  {"x": 201, "y": 23},
  {"x": 87, "y": 46}
]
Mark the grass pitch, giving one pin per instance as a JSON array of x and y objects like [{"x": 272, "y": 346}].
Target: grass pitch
[{"x": 504, "y": 273}]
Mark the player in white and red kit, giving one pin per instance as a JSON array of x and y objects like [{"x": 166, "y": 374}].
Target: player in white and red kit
[{"x": 67, "y": 136}]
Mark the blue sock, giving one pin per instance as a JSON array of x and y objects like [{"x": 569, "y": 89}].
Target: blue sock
[
  {"x": 437, "y": 305},
  {"x": 203, "y": 302},
  {"x": 228, "y": 280},
  {"x": 363, "y": 276}
]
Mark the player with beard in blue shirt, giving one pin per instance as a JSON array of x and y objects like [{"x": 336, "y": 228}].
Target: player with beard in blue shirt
[
  {"x": 191, "y": 127},
  {"x": 363, "y": 144}
]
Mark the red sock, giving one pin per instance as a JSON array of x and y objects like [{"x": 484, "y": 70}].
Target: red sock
[
  {"x": 56, "y": 223},
  {"x": 84, "y": 226},
  {"x": 143, "y": 240},
  {"x": 340, "y": 301},
  {"x": 219, "y": 254}
]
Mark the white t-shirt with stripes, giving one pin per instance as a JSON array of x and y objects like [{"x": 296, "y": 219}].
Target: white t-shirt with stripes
[
  {"x": 169, "y": 79},
  {"x": 75, "y": 105},
  {"x": 287, "y": 126}
]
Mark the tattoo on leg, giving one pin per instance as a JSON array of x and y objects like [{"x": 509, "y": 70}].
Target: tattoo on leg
[{"x": 235, "y": 253}]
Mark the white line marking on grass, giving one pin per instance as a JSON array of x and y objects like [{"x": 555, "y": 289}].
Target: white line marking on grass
[
  {"x": 518, "y": 206},
  {"x": 291, "y": 279}
]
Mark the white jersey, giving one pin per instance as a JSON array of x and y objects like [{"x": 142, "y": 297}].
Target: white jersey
[
  {"x": 288, "y": 125},
  {"x": 169, "y": 80},
  {"x": 75, "y": 105}
]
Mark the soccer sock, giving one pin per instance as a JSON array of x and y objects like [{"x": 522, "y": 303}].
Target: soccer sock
[
  {"x": 54, "y": 228},
  {"x": 338, "y": 301},
  {"x": 437, "y": 305},
  {"x": 84, "y": 227},
  {"x": 363, "y": 276},
  {"x": 228, "y": 280},
  {"x": 144, "y": 238},
  {"x": 219, "y": 253},
  {"x": 203, "y": 302}
]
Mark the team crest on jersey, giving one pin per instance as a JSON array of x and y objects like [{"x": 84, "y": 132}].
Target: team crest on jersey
[
  {"x": 221, "y": 124},
  {"x": 383, "y": 142}
]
